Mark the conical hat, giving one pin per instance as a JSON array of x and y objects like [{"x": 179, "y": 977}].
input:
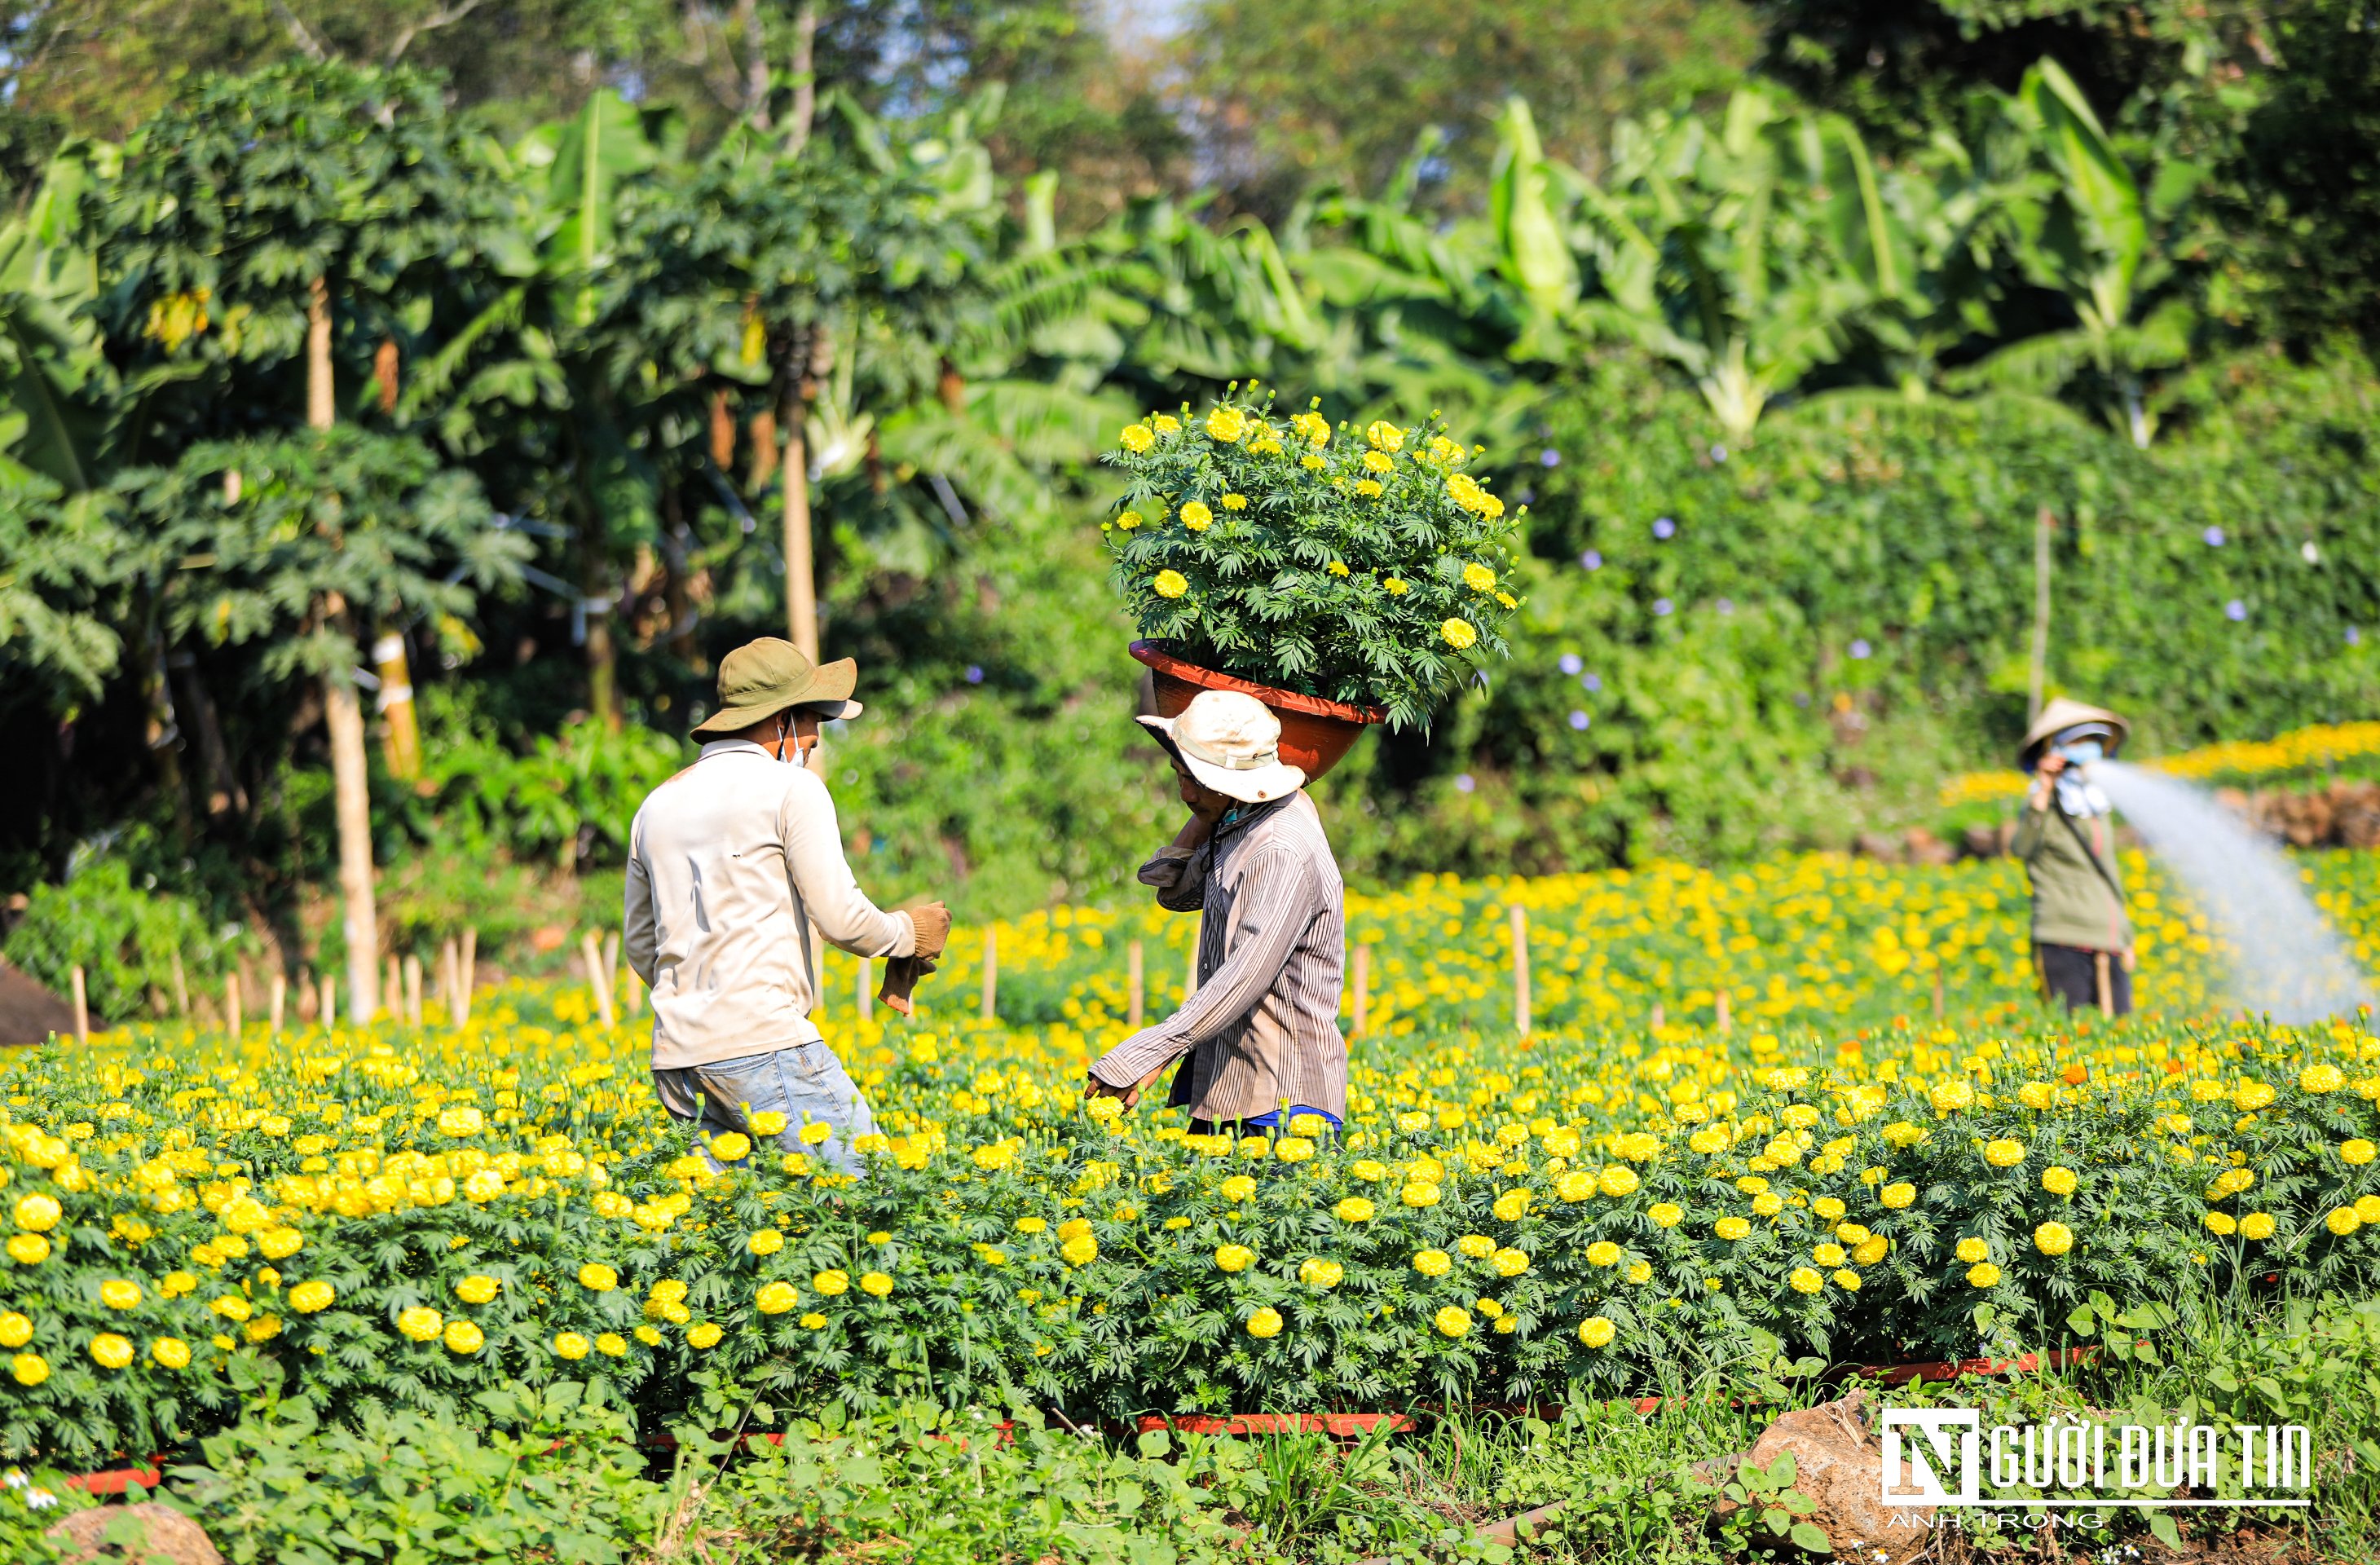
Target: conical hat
[{"x": 2062, "y": 714}]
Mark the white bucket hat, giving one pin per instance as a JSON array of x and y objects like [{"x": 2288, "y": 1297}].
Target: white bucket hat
[{"x": 1232, "y": 742}]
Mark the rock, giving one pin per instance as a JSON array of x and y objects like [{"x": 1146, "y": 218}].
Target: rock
[
  {"x": 1841, "y": 1468},
  {"x": 1925, "y": 847},
  {"x": 156, "y": 1533},
  {"x": 2356, "y": 807},
  {"x": 30, "y": 1013},
  {"x": 1876, "y": 845}
]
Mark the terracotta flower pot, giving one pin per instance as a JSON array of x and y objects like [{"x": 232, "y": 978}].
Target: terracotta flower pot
[{"x": 1316, "y": 734}]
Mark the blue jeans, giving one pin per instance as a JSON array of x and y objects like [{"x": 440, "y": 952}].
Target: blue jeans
[{"x": 805, "y": 1082}]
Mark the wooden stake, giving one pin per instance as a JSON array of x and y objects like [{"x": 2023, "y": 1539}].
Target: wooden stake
[
  {"x": 590, "y": 952},
  {"x": 1720, "y": 1010},
  {"x": 2037, "y": 670},
  {"x": 329, "y": 1011},
  {"x": 461, "y": 1009},
  {"x": 867, "y": 991},
  {"x": 612, "y": 959},
  {"x": 231, "y": 1004},
  {"x": 181, "y": 987},
  {"x": 1134, "y": 1001},
  {"x": 81, "y": 1009},
  {"x": 1938, "y": 994},
  {"x": 1363, "y": 991},
  {"x": 277, "y": 1000},
  {"x": 991, "y": 974},
  {"x": 1520, "y": 1017},
  {"x": 2107, "y": 986},
  {"x": 412, "y": 991},
  {"x": 1660, "y": 1017}
]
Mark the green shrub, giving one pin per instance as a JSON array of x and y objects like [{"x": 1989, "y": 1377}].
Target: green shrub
[{"x": 126, "y": 938}]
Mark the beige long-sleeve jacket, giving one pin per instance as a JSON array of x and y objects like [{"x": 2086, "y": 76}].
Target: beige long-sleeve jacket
[{"x": 730, "y": 864}]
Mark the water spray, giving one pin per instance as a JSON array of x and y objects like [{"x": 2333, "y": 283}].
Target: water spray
[{"x": 2287, "y": 961}]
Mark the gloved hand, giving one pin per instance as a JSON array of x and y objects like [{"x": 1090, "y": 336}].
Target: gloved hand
[{"x": 932, "y": 922}]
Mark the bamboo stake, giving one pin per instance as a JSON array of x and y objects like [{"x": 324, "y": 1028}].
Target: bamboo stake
[
  {"x": 181, "y": 987},
  {"x": 412, "y": 991},
  {"x": 1721, "y": 1013},
  {"x": 591, "y": 950},
  {"x": 991, "y": 974},
  {"x": 330, "y": 1007},
  {"x": 1134, "y": 1001},
  {"x": 867, "y": 991},
  {"x": 231, "y": 1005},
  {"x": 1363, "y": 991},
  {"x": 450, "y": 963},
  {"x": 391, "y": 988},
  {"x": 277, "y": 1000},
  {"x": 1660, "y": 1017},
  {"x": 2107, "y": 986},
  {"x": 611, "y": 960},
  {"x": 1938, "y": 994},
  {"x": 468, "y": 974},
  {"x": 1521, "y": 1018},
  {"x": 81, "y": 1009}
]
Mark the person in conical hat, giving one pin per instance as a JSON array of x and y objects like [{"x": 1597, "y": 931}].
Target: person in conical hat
[{"x": 2066, "y": 839}]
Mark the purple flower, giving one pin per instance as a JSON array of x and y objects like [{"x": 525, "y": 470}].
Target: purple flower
[
  {"x": 2235, "y": 611},
  {"x": 1662, "y": 605},
  {"x": 1579, "y": 721},
  {"x": 1463, "y": 785},
  {"x": 2214, "y": 537},
  {"x": 2354, "y": 636},
  {"x": 1550, "y": 458},
  {"x": 1525, "y": 497},
  {"x": 974, "y": 673},
  {"x": 1571, "y": 664},
  {"x": 1727, "y": 605},
  {"x": 1592, "y": 681},
  {"x": 1663, "y": 527},
  {"x": 1860, "y": 649},
  {"x": 1719, "y": 454},
  {"x": 1592, "y": 559}
]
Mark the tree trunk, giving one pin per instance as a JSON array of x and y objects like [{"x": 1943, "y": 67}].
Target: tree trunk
[
  {"x": 603, "y": 649},
  {"x": 400, "y": 738},
  {"x": 343, "y": 715},
  {"x": 801, "y": 583},
  {"x": 797, "y": 122},
  {"x": 321, "y": 409},
  {"x": 755, "y": 64}
]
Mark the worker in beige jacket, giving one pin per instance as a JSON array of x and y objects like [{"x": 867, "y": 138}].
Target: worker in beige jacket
[{"x": 731, "y": 865}]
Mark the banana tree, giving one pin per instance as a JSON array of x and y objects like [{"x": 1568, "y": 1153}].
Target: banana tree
[{"x": 2085, "y": 228}]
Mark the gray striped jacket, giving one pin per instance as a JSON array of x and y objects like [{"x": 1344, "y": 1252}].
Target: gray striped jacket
[{"x": 1262, "y": 1031}]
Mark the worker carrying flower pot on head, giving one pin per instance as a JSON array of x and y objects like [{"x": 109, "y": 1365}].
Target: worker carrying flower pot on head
[
  {"x": 2066, "y": 837},
  {"x": 732, "y": 863},
  {"x": 1259, "y": 1040}
]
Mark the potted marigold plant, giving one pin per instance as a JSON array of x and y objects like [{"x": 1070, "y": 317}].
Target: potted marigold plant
[{"x": 1343, "y": 576}]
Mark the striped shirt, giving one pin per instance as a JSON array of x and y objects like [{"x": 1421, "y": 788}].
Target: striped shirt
[{"x": 1263, "y": 1028}]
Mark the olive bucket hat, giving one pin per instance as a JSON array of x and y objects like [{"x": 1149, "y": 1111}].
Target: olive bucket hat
[{"x": 762, "y": 678}]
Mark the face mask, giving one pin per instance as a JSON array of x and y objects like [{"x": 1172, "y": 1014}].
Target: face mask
[{"x": 2083, "y": 752}]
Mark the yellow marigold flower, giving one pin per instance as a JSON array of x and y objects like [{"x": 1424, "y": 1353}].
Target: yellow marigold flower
[
  {"x": 1265, "y": 1322},
  {"x": 1234, "y": 1257},
  {"x": 110, "y": 1351},
  {"x": 1315, "y": 1272},
  {"x": 1618, "y": 1180},
  {"x": 1478, "y": 1246},
  {"x": 1666, "y": 1214},
  {"x": 1603, "y": 1251},
  {"x": 706, "y": 1335},
  {"x": 1385, "y": 435},
  {"x": 1509, "y": 1262},
  {"x": 2319, "y": 1079},
  {"x": 38, "y": 1212},
  {"x": 731, "y": 1147},
  {"x": 1767, "y": 1204},
  {"x": 1576, "y": 1185},
  {"x": 1731, "y": 1229},
  {"x": 232, "y": 1306},
  {"x": 876, "y": 1284},
  {"x": 2058, "y": 1181},
  {"x": 1239, "y": 1187},
  {"x": 1227, "y": 424},
  {"x": 2257, "y": 1225},
  {"x": 1419, "y": 1193},
  {"x": 1168, "y": 584},
  {"x": 1973, "y": 1250},
  {"x": 30, "y": 1369},
  {"x": 1196, "y": 517},
  {"x": 2358, "y": 1151},
  {"x": 461, "y": 1121},
  {"x": 815, "y": 1133},
  {"x": 598, "y": 1278},
  {"x": 1708, "y": 1141},
  {"x": 1137, "y": 439},
  {"x": 2219, "y": 1222},
  {"x": 1873, "y": 1250},
  {"x": 476, "y": 1289},
  {"x": 812, "y": 1322},
  {"x": 1899, "y": 1195},
  {"x": 15, "y": 1329},
  {"x": 280, "y": 1244},
  {"x": 1511, "y": 1206},
  {"x": 1081, "y": 1250},
  {"x": 1432, "y": 1263},
  {"x": 1451, "y": 1321},
  {"x": 1312, "y": 463},
  {"x": 1369, "y": 489},
  {"x": 2053, "y": 1239},
  {"x": 1458, "y": 634},
  {"x": 1982, "y": 1274},
  {"x": 1827, "y": 1254},
  {"x": 610, "y": 1344},
  {"x": 2368, "y": 1208},
  {"x": 463, "y": 1337},
  {"x": 1374, "y": 462},
  {"x": 1235, "y": 502},
  {"x": 1337, "y": 567},
  {"x": 2004, "y": 1153},
  {"x": 309, "y": 1298},
  {"x": 2036, "y": 1095},
  {"x": 651, "y": 1336},
  {"x": 2343, "y": 1220},
  {"x": 831, "y": 1283},
  {"x": 1597, "y": 1332},
  {"x": 776, "y": 1298},
  {"x": 170, "y": 1352},
  {"x": 571, "y": 1345},
  {"x": 1395, "y": 586},
  {"x": 173, "y": 1285},
  {"x": 1950, "y": 1097},
  {"x": 765, "y": 1242},
  {"x": 1355, "y": 1209},
  {"x": 420, "y": 1323},
  {"x": 2250, "y": 1096},
  {"x": 769, "y": 1123},
  {"x": 1846, "y": 1279},
  {"x": 1901, "y": 1133},
  {"x": 117, "y": 1293},
  {"x": 1806, "y": 1281},
  {"x": 1478, "y": 578},
  {"x": 1826, "y": 1206}
]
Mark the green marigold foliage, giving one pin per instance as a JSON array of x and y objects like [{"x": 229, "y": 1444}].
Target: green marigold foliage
[{"x": 1365, "y": 566}]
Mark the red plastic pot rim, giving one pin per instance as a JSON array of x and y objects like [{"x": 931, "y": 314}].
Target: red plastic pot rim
[{"x": 1271, "y": 696}]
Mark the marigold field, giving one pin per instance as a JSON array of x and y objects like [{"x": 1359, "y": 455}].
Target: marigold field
[{"x": 416, "y": 1217}]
